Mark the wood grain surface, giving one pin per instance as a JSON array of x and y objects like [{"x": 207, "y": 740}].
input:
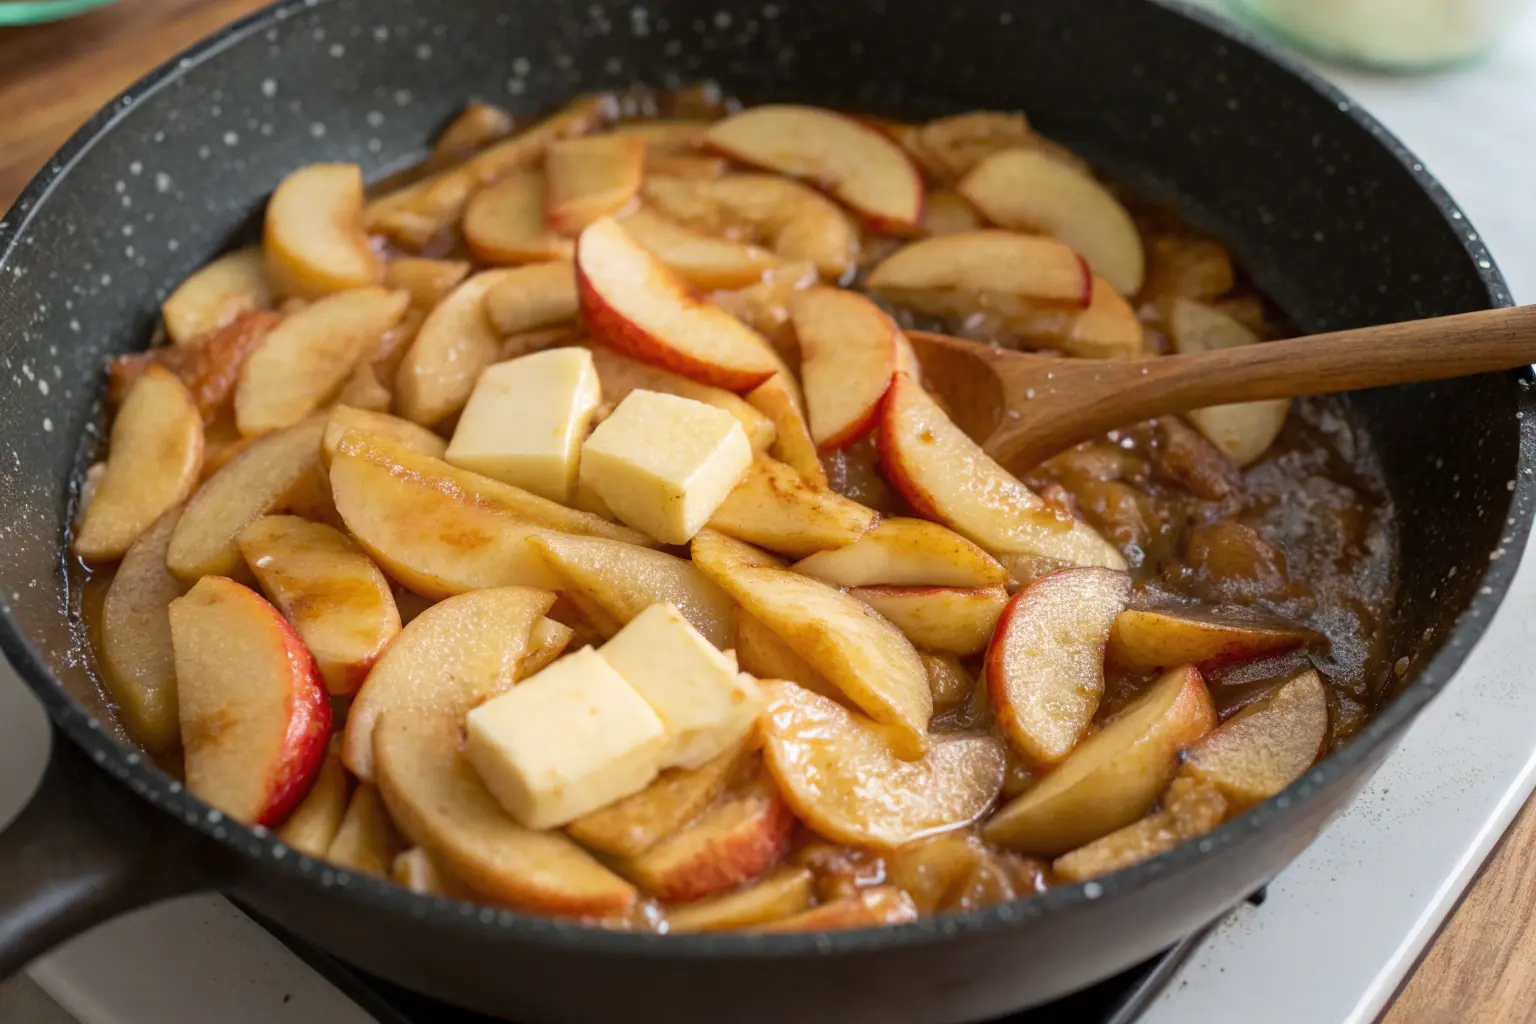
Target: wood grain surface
[{"x": 1482, "y": 969}]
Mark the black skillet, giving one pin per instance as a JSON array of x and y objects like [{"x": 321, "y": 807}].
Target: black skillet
[{"x": 1333, "y": 218}]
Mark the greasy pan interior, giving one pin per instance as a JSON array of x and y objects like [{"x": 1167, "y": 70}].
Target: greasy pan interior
[{"x": 1329, "y": 215}]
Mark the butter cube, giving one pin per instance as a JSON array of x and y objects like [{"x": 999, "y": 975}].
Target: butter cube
[
  {"x": 705, "y": 704},
  {"x": 565, "y": 741},
  {"x": 663, "y": 464},
  {"x": 526, "y": 419}
]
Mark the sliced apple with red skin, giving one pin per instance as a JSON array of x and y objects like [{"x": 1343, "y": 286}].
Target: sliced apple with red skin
[
  {"x": 836, "y": 769},
  {"x": 619, "y": 375},
  {"x": 631, "y": 302},
  {"x": 1027, "y": 189},
  {"x": 955, "y": 620},
  {"x": 591, "y": 178},
  {"x": 856, "y": 164},
  {"x": 623, "y": 580},
  {"x": 1145, "y": 640},
  {"x": 1190, "y": 809},
  {"x": 779, "y": 400},
  {"x": 505, "y": 222},
  {"x": 761, "y": 653},
  {"x": 343, "y": 418},
  {"x": 743, "y": 835},
  {"x": 875, "y": 907},
  {"x": 329, "y": 590},
  {"x": 847, "y": 358},
  {"x": 773, "y": 507},
  {"x": 314, "y": 239},
  {"x": 703, "y": 261},
  {"x": 456, "y": 341},
  {"x": 437, "y": 800},
  {"x": 306, "y": 358},
  {"x": 446, "y": 660},
  {"x": 153, "y": 459},
  {"x": 428, "y": 281},
  {"x": 255, "y": 719},
  {"x": 859, "y": 652},
  {"x": 1267, "y": 745},
  {"x": 1045, "y": 666},
  {"x": 1244, "y": 430},
  {"x": 1114, "y": 776},
  {"x": 986, "y": 262},
  {"x": 902, "y": 552},
  {"x": 367, "y": 840},
  {"x": 948, "y": 477},
  {"x": 528, "y": 298},
  {"x": 316, "y": 820},
  {"x": 217, "y": 294},
  {"x": 781, "y": 894}
]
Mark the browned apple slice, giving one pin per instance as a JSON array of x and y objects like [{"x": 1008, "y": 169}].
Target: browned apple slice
[
  {"x": 623, "y": 580},
  {"x": 949, "y": 214},
  {"x": 314, "y": 823},
  {"x": 216, "y": 295},
  {"x": 858, "y": 165},
  {"x": 475, "y": 127},
  {"x": 987, "y": 262},
  {"x": 1152, "y": 639},
  {"x": 1114, "y": 776},
  {"x": 334, "y": 596},
  {"x": 505, "y": 222},
  {"x": 139, "y": 668},
  {"x": 364, "y": 390},
  {"x": 417, "y": 870},
  {"x": 702, "y": 260},
  {"x": 619, "y": 375},
  {"x": 366, "y": 840},
  {"x": 307, "y": 357},
  {"x": 449, "y": 658},
  {"x": 666, "y": 137},
  {"x": 956, "y": 620},
  {"x": 796, "y": 222},
  {"x": 427, "y": 281},
  {"x": 209, "y": 368},
  {"x": 632, "y": 302},
  {"x": 1266, "y": 746},
  {"x": 438, "y": 801},
  {"x": 1245, "y": 430},
  {"x": 762, "y": 654},
  {"x": 778, "y": 399},
  {"x": 948, "y": 680},
  {"x": 775, "y": 508},
  {"x": 442, "y": 530},
  {"x": 837, "y": 771},
  {"x": 546, "y": 641},
  {"x": 783, "y": 893},
  {"x": 456, "y": 341},
  {"x": 343, "y": 418},
  {"x": 947, "y": 476},
  {"x": 1029, "y": 190},
  {"x": 903, "y": 552},
  {"x": 848, "y": 356},
  {"x": 874, "y": 907},
  {"x": 153, "y": 458},
  {"x": 859, "y": 652},
  {"x": 1190, "y": 809},
  {"x": 271, "y": 474},
  {"x": 314, "y": 238},
  {"x": 948, "y": 148},
  {"x": 1045, "y": 667},
  {"x": 254, "y": 716},
  {"x": 687, "y": 166},
  {"x": 591, "y": 178},
  {"x": 531, "y": 297}
]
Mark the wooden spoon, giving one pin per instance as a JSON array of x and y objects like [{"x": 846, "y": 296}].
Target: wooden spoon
[{"x": 1029, "y": 406}]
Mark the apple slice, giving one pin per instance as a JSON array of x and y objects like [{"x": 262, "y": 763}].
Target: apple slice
[
  {"x": 1149, "y": 640},
  {"x": 441, "y": 530},
  {"x": 619, "y": 375},
  {"x": 1114, "y": 776},
  {"x": 743, "y": 835},
  {"x": 1266, "y": 746},
  {"x": 629, "y": 827},
  {"x": 949, "y": 214},
  {"x": 947, "y": 476},
  {"x": 214, "y": 296},
  {"x": 438, "y": 801},
  {"x": 307, "y": 357},
  {"x": 783, "y": 893},
  {"x": 456, "y": 341},
  {"x": 948, "y": 680},
  {"x": 505, "y": 222},
  {"x": 848, "y": 356},
  {"x": 859, "y": 652},
  {"x": 139, "y": 668},
  {"x": 797, "y": 223},
  {"x": 334, "y": 596},
  {"x": 314, "y": 238},
  {"x": 982, "y": 263},
  {"x": 591, "y": 178},
  {"x": 428, "y": 281},
  {"x": 343, "y": 418},
  {"x": 364, "y": 390},
  {"x": 776, "y": 509},
  {"x": 1045, "y": 667},
  {"x": 209, "y": 369},
  {"x": 1029, "y": 190},
  {"x": 762, "y": 654},
  {"x": 449, "y": 658},
  {"x": 699, "y": 259},
  {"x": 367, "y": 840},
  {"x": 948, "y": 148},
  {"x": 666, "y": 137},
  {"x": 417, "y": 870},
  {"x": 956, "y": 620},
  {"x": 623, "y": 580},
  {"x": 778, "y": 399},
  {"x": 546, "y": 641},
  {"x": 837, "y": 771},
  {"x": 153, "y": 458},
  {"x": 475, "y": 127},
  {"x": 903, "y": 552},
  {"x": 272, "y": 474},
  {"x": 315, "y": 821},
  {"x": 1190, "y": 809},
  {"x": 1245, "y": 430},
  {"x": 856, "y": 164},
  {"x": 254, "y": 716},
  {"x": 633, "y": 303},
  {"x": 875, "y": 907},
  {"x": 531, "y": 297}
]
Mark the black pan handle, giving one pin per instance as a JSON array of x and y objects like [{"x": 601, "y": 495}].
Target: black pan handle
[{"x": 84, "y": 850}]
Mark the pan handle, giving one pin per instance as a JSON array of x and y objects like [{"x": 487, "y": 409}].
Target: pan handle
[{"x": 84, "y": 850}]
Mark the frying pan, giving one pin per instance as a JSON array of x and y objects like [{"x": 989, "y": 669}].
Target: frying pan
[{"x": 1332, "y": 217}]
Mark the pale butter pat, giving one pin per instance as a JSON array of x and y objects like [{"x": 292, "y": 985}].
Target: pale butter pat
[
  {"x": 565, "y": 741},
  {"x": 525, "y": 421},
  {"x": 705, "y": 704},
  {"x": 663, "y": 464}
]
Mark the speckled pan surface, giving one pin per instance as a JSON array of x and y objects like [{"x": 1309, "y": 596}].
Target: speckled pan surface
[{"x": 1328, "y": 213}]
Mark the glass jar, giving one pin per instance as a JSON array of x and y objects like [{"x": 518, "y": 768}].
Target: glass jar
[{"x": 1391, "y": 34}]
